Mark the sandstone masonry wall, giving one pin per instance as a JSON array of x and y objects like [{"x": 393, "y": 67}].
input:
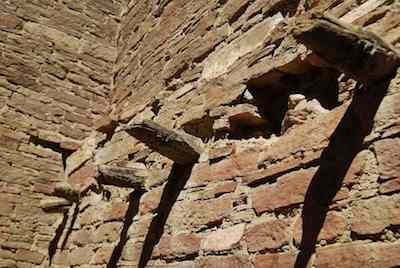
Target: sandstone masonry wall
[
  {"x": 301, "y": 162},
  {"x": 56, "y": 64}
]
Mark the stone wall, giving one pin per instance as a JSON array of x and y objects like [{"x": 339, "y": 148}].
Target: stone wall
[
  {"x": 300, "y": 163},
  {"x": 56, "y": 65}
]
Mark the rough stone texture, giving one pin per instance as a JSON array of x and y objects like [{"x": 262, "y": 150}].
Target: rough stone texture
[
  {"x": 275, "y": 260},
  {"x": 374, "y": 215},
  {"x": 289, "y": 190},
  {"x": 359, "y": 255},
  {"x": 271, "y": 234},
  {"x": 178, "y": 246},
  {"x": 73, "y": 74},
  {"x": 200, "y": 213},
  {"x": 388, "y": 158},
  {"x": 80, "y": 256},
  {"x": 223, "y": 239},
  {"x": 224, "y": 262},
  {"x": 334, "y": 226}
]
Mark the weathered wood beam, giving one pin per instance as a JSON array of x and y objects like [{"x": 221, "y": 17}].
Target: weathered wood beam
[
  {"x": 358, "y": 53},
  {"x": 180, "y": 147},
  {"x": 122, "y": 176},
  {"x": 64, "y": 194},
  {"x": 65, "y": 190},
  {"x": 55, "y": 203}
]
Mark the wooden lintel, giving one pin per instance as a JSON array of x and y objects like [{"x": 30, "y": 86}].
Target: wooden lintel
[
  {"x": 180, "y": 147},
  {"x": 356, "y": 52},
  {"x": 122, "y": 176}
]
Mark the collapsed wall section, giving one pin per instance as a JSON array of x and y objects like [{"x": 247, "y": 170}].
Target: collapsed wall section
[{"x": 56, "y": 63}]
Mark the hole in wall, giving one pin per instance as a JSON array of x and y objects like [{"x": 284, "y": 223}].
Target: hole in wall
[
  {"x": 272, "y": 104},
  {"x": 285, "y": 100}
]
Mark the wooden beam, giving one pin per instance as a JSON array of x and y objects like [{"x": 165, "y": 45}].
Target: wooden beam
[
  {"x": 65, "y": 190},
  {"x": 180, "y": 147},
  {"x": 358, "y": 53},
  {"x": 122, "y": 176},
  {"x": 55, "y": 203}
]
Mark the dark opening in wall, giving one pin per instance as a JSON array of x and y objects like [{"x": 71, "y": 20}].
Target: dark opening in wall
[
  {"x": 272, "y": 104},
  {"x": 280, "y": 95},
  {"x": 54, "y": 146}
]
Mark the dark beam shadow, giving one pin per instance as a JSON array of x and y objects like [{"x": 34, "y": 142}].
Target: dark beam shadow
[
  {"x": 71, "y": 226},
  {"x": 345, "y": 143},
  {"x": 133, "y": 208},
  {"x": 52, "y": 249},
  {"x": 176, "y": 182}
]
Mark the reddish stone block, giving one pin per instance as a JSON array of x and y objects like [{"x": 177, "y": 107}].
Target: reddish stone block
[
  {"x": 373, "y": 215},
  {"x": 219, "y": 152},
  {"x": 280, "y": 167},
  {"x": 117, "y": 211},
  {"x": 352, "y": 255},
  {"x": 233, "y": 166},
  {"x": 43, "y": 188},
  {"x": 223, "y": 239},
  {"x": 200, "y": 213},
  {"x": 281, "y": 260},
  {"x": 288, "y": 190},
  {"x": 223, "y": 188},
  {"x": 83, "y": 177},
  {"x": 178, "y": 246},
  {"x": 343, "y": 193},
  {"x": 356, "y": 168},
  {"x": 388, "y": 155},
  {"x": 150, "y": 200},
  {"x": 334, "y": 226},
  {"x": 224, "y": 262},
  {"x": 390, "y": 186},
  {"x": 271, "y": 234}
]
